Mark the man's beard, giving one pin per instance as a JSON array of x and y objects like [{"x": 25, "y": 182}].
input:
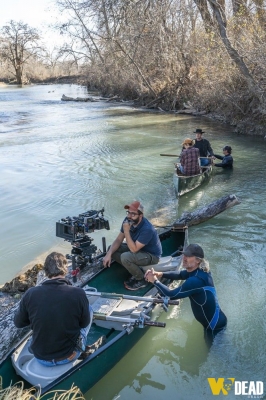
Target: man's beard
[{"x": 136, "y": 221}]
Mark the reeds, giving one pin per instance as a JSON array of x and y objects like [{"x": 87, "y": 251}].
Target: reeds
[{"x": 18, "y": 392}]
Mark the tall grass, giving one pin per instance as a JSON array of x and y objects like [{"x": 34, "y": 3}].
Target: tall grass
[{"x": 18, "y": 392}]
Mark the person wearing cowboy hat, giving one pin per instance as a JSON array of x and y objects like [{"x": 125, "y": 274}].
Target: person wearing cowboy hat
[
  {"x": 204, "y": 147},
  {"x": 189, "y": 159}
]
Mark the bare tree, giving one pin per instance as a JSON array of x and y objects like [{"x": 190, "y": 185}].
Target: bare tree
[
  {"x": 18, "y": 43},
  {"x": 239, "y": 6}
]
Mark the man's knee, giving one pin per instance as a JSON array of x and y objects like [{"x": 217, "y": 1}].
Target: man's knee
[{"x": 126, "y": 258}]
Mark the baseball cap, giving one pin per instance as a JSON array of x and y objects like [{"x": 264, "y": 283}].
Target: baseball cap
[
  {"x": 193, "y": 250},
  {"x": 135, "y": 206}
]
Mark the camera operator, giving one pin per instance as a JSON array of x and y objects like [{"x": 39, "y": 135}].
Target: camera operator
[
  {"x": 59, "y": 315},
  {"x": 142, "y": 246}
]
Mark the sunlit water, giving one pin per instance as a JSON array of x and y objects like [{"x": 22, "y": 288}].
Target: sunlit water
[{"x": 63, "y": 158}]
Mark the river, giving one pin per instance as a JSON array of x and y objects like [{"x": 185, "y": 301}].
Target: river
[{"x": 63, "y": 158}]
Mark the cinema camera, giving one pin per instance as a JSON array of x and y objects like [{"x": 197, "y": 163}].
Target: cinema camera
[{"x": 75, "y": 230}]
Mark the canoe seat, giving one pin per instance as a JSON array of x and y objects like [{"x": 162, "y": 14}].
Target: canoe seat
[
  {"x": 165, "y": 264},
  {"x": 32, "y": 371},
  {"x": 38, "y": 374}
]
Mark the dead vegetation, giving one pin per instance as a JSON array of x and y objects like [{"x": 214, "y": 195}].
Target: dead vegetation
[
  {"x": 167, "y": 54},
  {"x": 18, "y": 392}
]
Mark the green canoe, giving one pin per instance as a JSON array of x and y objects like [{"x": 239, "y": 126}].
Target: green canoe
[
  {"x": 120, "y": 336},
  {"x": 184, "y": 184}
]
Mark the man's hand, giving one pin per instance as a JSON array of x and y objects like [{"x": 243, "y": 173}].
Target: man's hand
[
  {"x": 152, "y": 276},
  {"x": 107, "y": 260},
  {"x": 126, "y": 226}
]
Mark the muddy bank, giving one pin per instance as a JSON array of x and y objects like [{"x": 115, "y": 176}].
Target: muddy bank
[{"x": 11, "y": 292}]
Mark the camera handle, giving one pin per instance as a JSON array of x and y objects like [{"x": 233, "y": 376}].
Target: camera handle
[{"x": 75, "y": 269}]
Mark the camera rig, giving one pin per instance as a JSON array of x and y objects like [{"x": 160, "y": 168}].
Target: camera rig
[{"x": 75, "y": 230}]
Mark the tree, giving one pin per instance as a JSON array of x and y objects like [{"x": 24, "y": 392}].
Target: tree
[{"x": 18, "y": 43}]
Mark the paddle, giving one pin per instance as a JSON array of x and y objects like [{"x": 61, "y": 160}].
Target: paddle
[
  {"x": 169, "y": 155},
  {"x": 139, "y": 322},
  {"x": 175, "y": 155},
  {"x": 136, "y": 298}
]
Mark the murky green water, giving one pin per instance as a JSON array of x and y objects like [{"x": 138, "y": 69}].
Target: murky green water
[{"x": 60, "y": 159}]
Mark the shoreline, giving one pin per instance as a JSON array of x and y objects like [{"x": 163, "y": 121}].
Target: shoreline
[
  {"x": 243, "y": 127},
  {"x": 63, "y": 248},
  {"x": 8, "y": 300}
]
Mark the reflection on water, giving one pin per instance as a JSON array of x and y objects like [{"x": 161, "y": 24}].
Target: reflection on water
[{"x": 62, "y": 158}]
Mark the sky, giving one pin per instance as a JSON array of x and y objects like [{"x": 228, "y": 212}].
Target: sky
[{"x": 36, "y": 13}]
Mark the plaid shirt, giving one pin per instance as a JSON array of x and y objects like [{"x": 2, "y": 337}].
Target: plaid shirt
[{"x": 190, "y": 161}]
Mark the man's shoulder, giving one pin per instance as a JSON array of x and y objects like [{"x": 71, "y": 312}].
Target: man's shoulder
[
  {"x": 200, "y": 274},
  {"x": 147, "y": 224},
  {"x": 205, "y": 140}
]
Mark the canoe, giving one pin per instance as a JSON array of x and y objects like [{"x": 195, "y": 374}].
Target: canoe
[
  {"x": 184, "y": 184},
  {"x": 121, "y": 321}
]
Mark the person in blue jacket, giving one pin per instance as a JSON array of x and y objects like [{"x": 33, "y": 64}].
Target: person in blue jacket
[
  {"x": 227, "y": 159},
  {"x": 198, "y": 286}
]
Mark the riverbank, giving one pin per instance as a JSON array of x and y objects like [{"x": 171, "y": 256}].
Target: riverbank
[{"x": 245, "y": 126}]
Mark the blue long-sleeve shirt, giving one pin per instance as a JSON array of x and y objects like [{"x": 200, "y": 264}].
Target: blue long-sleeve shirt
[{"x": 198, "y": 286}]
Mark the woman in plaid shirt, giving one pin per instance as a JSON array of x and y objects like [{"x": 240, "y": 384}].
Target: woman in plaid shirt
[{"x": 189, "y": 159}]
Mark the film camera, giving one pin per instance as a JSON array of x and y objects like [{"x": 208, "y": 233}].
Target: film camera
[{"x": 76, "y": 231}]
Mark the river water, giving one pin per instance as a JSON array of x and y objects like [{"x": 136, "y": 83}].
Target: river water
[{"x": 63, "y": 158}]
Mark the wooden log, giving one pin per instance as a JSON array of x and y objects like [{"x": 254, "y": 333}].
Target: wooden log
[
  {"x": 84, "y": 99},
  {"x": 209, "y": 211}
]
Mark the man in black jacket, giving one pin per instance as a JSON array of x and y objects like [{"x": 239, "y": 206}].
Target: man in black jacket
[
  {"x": 227, "y": 159},
  {"x": 58, "y": 314},
  {"x": 204, "y": 148}
]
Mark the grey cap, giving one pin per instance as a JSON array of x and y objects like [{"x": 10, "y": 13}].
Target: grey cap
[{"x": 193, "y": 250}]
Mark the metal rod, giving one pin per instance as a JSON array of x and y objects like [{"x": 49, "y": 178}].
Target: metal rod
[
  {"x": 136, "y": 298},
  {"x": 128, "y": 320},
  {"x": 104, "y": 244}
]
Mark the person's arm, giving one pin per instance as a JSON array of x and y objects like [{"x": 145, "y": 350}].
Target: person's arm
[
  {"x": 182, "y": 158},
  {"x": 134, "y": 247},
  {"x": 209, "y": 148},
  {"x": 114, "y": 246},
  {"x": 188, "y": 288},
  {"x": 173, "y": 275},
  {"x": 219, "y": 157},
  {"x": 21, "y": 318},
  {"x": 85, "y": 313}
]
